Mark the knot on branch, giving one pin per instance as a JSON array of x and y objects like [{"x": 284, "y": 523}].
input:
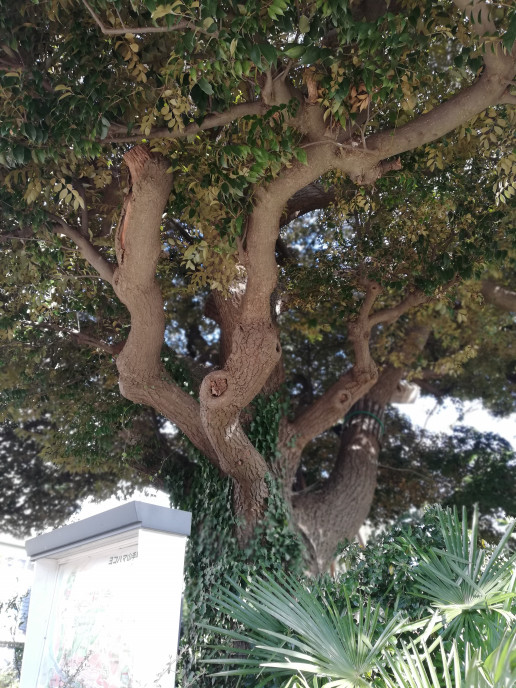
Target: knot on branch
[
  {"x": 363, "y": 376},
  {"x": 344, "y": 398},
  {"x": 218, "y": 385},
  {"x": 371, "y": 175}
]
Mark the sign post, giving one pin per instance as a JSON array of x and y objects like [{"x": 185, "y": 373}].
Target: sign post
[{"x": 106, "y": 600}]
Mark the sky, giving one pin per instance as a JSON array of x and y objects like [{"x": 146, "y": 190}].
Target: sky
[{"x": 425, "y": 413}]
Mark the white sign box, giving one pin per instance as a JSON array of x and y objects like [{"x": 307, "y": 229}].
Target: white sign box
[{"x": 106, "y": 600}]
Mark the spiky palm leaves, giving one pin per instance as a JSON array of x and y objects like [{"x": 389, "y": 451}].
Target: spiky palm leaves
[{"x": 289, "y": 634}]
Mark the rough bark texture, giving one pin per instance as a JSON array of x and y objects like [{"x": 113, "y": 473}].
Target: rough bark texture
[
  {"x": 336, "y": 512},
  {"x": 142, "y": 377}
]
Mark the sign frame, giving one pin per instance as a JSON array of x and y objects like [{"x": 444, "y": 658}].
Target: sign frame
[{"x": 130, "y": 556}]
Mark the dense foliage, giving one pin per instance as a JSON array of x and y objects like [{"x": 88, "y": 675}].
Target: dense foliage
[
  {"x": 463, "y": 469},
  {"x": 35, "y": 494}
]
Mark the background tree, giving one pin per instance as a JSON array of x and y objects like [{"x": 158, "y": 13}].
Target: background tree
[
  {"x": 463, "y": 469},
  {"x": 37, "y": 494},
  {"x": 185, "y": 260}
]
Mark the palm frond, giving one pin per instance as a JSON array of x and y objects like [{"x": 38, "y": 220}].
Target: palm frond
[
  {"x": 464, "y": 587},
  {"x": 290, "y": 630}
]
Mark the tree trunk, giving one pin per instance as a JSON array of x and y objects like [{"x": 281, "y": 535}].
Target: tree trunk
[{"x": 335, "y": 512}]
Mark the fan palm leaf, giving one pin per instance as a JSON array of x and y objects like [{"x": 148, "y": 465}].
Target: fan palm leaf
[
  {"x": 415, "y": 666},
  {"x": 464, "y": 586},
  {"x": 317, "y": 638}
]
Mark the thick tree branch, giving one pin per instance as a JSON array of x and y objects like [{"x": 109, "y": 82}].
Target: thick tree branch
[
  {"x": 87, "y": 250},
  {"x": 340, "y": 397},
  {"x": 312, "y": 197},
  {"x": 340, "y": 505},
  {"x": 138, "y": 246},
  {"x": 490, "y": 89},
  {"x": 255, "y": 347},
  {"x": 390, "y": 315},
  {"x": 499, "y": 296},
  {"x": 336, "y": 511}
]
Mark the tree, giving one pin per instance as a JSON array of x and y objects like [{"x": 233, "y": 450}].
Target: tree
[
  {"x": 36, "y": 493},
  {"x": 462, "y": 469},
  {"x": 151, "y": 153}
]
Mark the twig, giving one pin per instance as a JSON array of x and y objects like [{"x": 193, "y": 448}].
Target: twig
[
  {"x": 180, "y": 26},
  {"x": 88, "y": 251},
  {"x": 406, "y": 470},
  {"x": 218, "y": 119}
]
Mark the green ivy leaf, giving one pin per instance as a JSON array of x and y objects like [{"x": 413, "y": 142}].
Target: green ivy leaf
[{"x": 301, "y": 155}]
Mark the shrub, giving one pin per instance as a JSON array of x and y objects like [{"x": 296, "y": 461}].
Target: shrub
[{"x": 439, "y": 615}]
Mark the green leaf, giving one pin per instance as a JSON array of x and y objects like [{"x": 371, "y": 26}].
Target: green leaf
[
  {"x": 19, "y": 154},
  {"x": 510, "y": 35},
  {"x": 311, "y": 55},
  {"x": 205, "y": 86},
  {"x": 304, "y": 24},
  {"x": 301, "y": 155},
  {"x": 295, "y": 51},
  {"x": 269, "y": 52},
  {"x": 254, "y": 54}
]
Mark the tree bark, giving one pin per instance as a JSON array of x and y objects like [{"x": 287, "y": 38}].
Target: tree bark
[
  {"x": 499, "y": 296},
  {"x": 335, "y": 512},
  {"x": 329, "y": 516}
]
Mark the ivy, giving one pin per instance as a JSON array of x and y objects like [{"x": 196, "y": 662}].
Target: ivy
[{"x": 211, "y": 559}]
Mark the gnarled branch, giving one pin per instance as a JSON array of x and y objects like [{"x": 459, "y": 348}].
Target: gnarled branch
[
  {"x": 138, "y": 246},
  {"x": 390, "y": 315}
]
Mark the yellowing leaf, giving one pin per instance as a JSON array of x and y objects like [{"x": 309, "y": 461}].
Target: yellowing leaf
[
  {"x": 162, "y": 11},
  {"x": 304, "y": 24}
]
